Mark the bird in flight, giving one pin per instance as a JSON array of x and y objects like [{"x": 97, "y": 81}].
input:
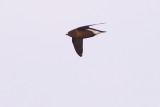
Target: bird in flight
[{"x": 81, "y": 33}]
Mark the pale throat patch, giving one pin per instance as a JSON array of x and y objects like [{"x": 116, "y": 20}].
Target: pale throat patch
[{"x": 94, "y": 31}]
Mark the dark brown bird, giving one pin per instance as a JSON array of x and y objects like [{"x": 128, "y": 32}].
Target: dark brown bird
[{"x": 81, "y": 33}]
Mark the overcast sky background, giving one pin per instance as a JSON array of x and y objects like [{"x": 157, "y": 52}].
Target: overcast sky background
[{"x": 40, "y": 68}]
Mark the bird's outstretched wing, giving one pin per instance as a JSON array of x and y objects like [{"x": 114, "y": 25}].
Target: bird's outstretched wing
[
  {"x": 78, "y": 45},
  {"x": 87, "y": 26}
]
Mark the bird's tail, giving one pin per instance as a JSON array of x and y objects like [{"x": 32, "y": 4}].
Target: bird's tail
[{"x": 95, "y": 31}]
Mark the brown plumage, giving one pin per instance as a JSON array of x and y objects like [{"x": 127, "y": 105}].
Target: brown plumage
[{"x": 81, "y": 33}]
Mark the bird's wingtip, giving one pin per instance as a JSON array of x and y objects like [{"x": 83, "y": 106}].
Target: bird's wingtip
[{"x": 97, "y": 24}]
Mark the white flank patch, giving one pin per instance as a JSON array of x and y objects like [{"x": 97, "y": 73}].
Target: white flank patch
[{"x": 94, "y": 31}]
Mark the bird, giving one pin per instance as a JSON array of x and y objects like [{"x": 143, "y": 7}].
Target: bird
[{"x": 81, "y": 33}]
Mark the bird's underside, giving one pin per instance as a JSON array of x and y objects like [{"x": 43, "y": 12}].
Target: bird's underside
[{"x": 81, "y": 33}]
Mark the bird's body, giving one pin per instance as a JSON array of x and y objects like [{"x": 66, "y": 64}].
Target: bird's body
[{"x": 81, "y": 33}]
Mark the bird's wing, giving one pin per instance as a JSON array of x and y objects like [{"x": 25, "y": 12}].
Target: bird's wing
[
  {"x": 78, "y": 45},
  {"x": 87, "y": 26},
  {"x": 83, "y": 28}
]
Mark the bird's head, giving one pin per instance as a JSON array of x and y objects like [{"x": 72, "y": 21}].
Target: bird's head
[{"x": 71, "y": 33}]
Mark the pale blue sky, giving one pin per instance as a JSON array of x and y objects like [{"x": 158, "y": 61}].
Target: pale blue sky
[{"x": 40, "y": 68}]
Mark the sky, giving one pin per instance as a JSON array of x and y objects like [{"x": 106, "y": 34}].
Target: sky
[{"x": 40, "y": 68}]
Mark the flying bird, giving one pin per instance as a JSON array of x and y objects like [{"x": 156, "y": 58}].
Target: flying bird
[{"x": 81, "y": 33}]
